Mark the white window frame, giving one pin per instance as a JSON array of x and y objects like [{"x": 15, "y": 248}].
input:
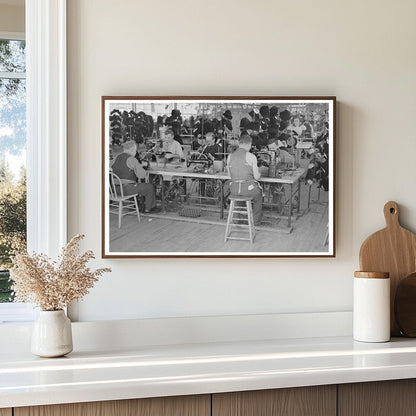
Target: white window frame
[
  {"x": 46, "y": 133},
  {"x": 14, "y": 312}
]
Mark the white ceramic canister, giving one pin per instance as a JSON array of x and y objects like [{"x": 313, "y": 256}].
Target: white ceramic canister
[{"x": 371, "y": 310}]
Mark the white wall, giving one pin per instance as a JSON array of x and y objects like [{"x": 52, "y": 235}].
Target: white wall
[{"x": 363, "y": 52}]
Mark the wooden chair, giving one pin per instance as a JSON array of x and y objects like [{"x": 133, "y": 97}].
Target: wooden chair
[
  {"x": 119, "y": 202},
  {"x": 243, "y": 221}
]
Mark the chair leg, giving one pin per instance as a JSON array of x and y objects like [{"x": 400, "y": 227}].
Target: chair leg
[
  {"x": 120, "y": 213},
  {"x": 137, "y": 208},
  {"x": 252, "y": 221}
]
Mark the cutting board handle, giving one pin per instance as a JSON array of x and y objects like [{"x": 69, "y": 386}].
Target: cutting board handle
[{"x": 391, "y": 214}]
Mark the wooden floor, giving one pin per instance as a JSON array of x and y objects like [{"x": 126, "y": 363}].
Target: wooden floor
[{"x": 156, "y": 234}]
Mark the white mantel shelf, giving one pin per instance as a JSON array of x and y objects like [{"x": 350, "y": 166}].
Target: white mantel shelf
[{"x": 151, "y": 371}]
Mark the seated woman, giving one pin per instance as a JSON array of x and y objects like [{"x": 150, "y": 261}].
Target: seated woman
[
  {"x": 280, "y": 146},
  {"x": 297, "y": 127},
  {"x": 284, "y": 141},
  {"x": 309, "y": 129}
]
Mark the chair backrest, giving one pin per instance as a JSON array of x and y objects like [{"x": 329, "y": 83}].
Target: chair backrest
[{"x": 116, "y": 187}]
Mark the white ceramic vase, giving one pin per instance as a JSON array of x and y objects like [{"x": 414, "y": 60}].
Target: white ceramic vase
[{"x": 52, "y": 334}]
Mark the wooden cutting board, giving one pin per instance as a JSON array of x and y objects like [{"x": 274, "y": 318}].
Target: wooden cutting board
[{"x": 393, "y": 250}]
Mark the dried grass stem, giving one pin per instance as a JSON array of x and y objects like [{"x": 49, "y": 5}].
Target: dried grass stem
[{"x": 53, "y": 285}]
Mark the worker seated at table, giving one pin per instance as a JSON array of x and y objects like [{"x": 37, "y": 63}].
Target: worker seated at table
[
  {"x": 198, "y": 143},
  {"x": 244, "y": 173},
  {"x": 171, "y": 148},
  {"x": 232, "y": 144},
  {"x": 130, "y": 171},
  {"x": 297, "y": 127},
  {"x": 282, "y": 155},
  {"x": 213, "y": 149}
]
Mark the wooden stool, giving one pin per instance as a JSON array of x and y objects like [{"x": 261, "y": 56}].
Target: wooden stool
[{"x": 245, "y": 212}]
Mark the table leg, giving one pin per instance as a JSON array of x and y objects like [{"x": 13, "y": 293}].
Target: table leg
[
  {"x": 298, "y": 205},
  {"x": 162, "y": 182},
  {"x": 221, "y": 198},
  {"x": 297, "y": 155},
  {"x": 289, "y": 220}
]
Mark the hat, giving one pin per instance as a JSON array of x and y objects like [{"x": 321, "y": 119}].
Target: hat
[
  {"x": 273, "y": 111},
  {"x": 285, "y": 115},
  {"x": 254, "y": 113},
  {"x": 244, "y": 123},
  {"x": 227, "y": 114},
  {"x": 264, "y": 111},
  {"x": 129, "y": 145},
  {"x": 209, "y": 126},
  {"x": 216, "y": 123},
  {"x": 273, "y": 131},
  {"x": 254, "y": 125},
  {"x": 175, "y": 113},
  {"x": 283, "y": 125}
]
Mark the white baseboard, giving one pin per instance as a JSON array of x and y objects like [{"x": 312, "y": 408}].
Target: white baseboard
[{"x": 127, "y": 334}]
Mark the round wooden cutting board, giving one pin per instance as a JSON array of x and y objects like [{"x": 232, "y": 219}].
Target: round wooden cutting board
[{"x": 393, "y": 250}]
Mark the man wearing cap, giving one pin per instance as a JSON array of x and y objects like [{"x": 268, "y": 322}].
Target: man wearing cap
[
  {"x": 130, "y": 171},
  {"x": 242, "y": 167}
]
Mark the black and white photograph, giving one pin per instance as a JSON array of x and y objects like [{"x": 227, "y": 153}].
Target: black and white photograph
[{"x": 218, "y": 176}]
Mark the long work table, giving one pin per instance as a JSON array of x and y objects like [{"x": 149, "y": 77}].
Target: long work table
[{"x": 288, "y": 177}]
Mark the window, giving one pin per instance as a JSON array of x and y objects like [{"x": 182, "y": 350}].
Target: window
[
  {"x": 12, "y": 165},
  {"x": 12, "y": 154},
  {"x": 46, "y": 134}
]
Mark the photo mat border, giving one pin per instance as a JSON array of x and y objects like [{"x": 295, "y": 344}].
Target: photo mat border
[{"x": 332, "y": 178}]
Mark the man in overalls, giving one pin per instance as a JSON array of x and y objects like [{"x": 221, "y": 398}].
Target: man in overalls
[
  {"x": 242, "y": 167},
  {"x": 130, "y": 171}
]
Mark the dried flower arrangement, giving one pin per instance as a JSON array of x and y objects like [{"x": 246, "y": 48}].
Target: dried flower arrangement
[{"x": 53, "y": 285}]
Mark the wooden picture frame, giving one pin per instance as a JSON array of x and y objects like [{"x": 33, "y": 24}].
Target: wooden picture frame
[{"x": 183, "y": 146}]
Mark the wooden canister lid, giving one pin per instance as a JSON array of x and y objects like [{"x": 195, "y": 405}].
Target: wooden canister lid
[{"x": 372, "y": 275}]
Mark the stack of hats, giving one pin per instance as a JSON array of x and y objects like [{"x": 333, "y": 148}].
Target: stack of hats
[{"x": 116, "y": 126}]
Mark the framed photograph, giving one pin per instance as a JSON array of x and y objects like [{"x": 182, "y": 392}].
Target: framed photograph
[{"x": 218, "y": 176}]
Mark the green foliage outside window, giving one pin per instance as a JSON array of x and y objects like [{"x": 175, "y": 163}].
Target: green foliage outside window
[
  {"x": 12, "y": 223},
  {"x": 12, "y": 145},
  {"x": 5, "y": 292}
]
